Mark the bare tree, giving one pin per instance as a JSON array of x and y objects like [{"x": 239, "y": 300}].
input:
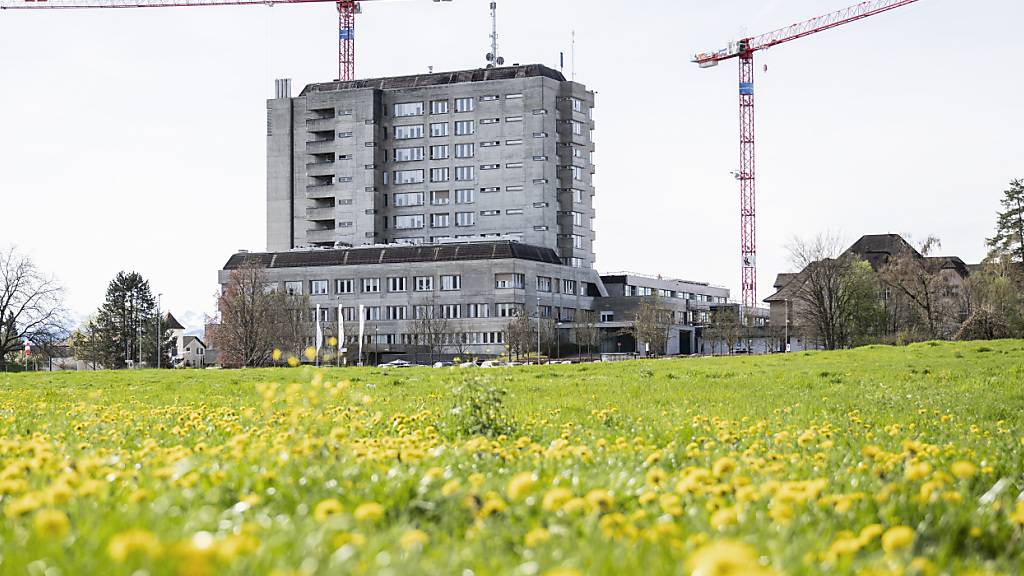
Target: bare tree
[
  {"x": 520, "y": 334},
  {"x": 31, "y": 304},
  {"x": 253, "y": 318},
  {"x": 836, "y": 295},
  {"x": 921, "y": 279},
  {"x": 651, "y": 324},
  {"x": 724, "y": 328},
  {"x": 430, "y": 329},
  {"x": 586, "y": 332}
]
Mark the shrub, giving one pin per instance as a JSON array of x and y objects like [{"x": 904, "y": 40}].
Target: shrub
[{"x": 478, "y": 408}]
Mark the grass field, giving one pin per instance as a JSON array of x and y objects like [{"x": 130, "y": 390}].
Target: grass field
[{"x": 874, "y": 461}]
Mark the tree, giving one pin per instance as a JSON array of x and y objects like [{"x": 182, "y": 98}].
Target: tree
[
  {"x": 520, "y": 335},
  {"x": 586, "y": 332},
  {"x": 125, "y": 325},
  {"x": 836, "y": 295},
  {"x": 1009, "y": 236},
  {"x": 31, "y": 304},
  {"x": 920, "y": 278},
  {"x": 995, "y": 290},
  {"x": 724, "y": 327},
  {"x": 651, "y": 324},
  {"x": 430, "y": 329}
]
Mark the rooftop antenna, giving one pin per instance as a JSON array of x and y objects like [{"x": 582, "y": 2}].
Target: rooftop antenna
[
  {"x": 492, "y": 57},
  {"x": 572, "y": 59}
]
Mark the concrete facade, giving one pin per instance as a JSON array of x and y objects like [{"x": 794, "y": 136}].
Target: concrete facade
[{"x": 475, "y": 154}]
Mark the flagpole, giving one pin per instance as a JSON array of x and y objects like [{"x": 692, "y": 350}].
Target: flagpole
[{"x": 341, "y": 334}]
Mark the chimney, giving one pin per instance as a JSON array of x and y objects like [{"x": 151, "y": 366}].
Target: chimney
[{"x": 283, "y": 88}]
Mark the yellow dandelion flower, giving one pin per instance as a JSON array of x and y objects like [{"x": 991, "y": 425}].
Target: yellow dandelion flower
[
  {"x": 536, "y": 537},
  {"x": 917, "y": 470},
  {"x": 132, "y": 542},
  {"x": 870, "y": 532},
  {"x": 520, "y": 485},
  {"x": 310, "y": 353},
  {"x": 600, "y": 500},
  {"x": 450, "y": 487},
  {"x": 671, "y": 504},
  {"x": 897, "y": 538},
  {"x": 332, "y": 341},
  {"x": 369, "y": 512},
  {"x": 345, "y": 538},
  {"x": 413, "y": 539},
  {"x": 563, "y": 571},
  {"x": 276, "y": 354},
  {"x": 50, "y": 523},
  {"x": 326, "y": 508},
  {"x": 476, "y": 479},
  {"x": 555, "y": 499},
  {"x": 293, "y": 361},
  {"x": 493, "y": 505},
  {"x": 723, "y": 466},
  {"x": 726, "y": 558},
  {"x": 656, "y": 477},
  {"x": 1017, "y": 517},
  {"x": 963, "y": 470},
  {"x": 724, "y": 517}
]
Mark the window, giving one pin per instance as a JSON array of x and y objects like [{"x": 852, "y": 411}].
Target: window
[
  {"x": 465, "y": 150},
  {"x": 293, "y": 288},
  {"x": 464, "y": 104},
  {"x": 464, "y": 219},
  {"x": 344, "y": 134},
  {"x": 318, "y": 287},
  {"x": 577, "y": 104},
  {"x": 348, "y": 313},
  {"x": 514, "y": 119},
  {"x": 397, "y": 312},
  {"x": 408, "y": 222},
  {"x": 490, "y": 212},
  {"x": 577, "y": 195},
  {"x": 490, "y": 143},
  {"x": 396, "y": 284},
  {"x": 440, "y": 197},
  {"x": 371, "y": 312},
  {"x": 509, "y": 280},
  {"x": 439, "y": 174},
  {"x": 543, "y": 284},
  {"x": 577, "y": 127},
  {"x": 439, "y": 152},
  {"x": 422, "y": 311},
  {"x": 464, "y": 128},
  {"x": 408, "y": 176},
  {"x": 409, "y": 109},
  {"x": 411, "y": 240},
  {"x": 371, "y": 285},
  {"x": 577, "y": 241},
  {"x": 423, "y": 283},
  {"x": 514, "y": 165},
  {"x": 566, "y": 314},
  {"x": 540, "y": 134},
  {"x": 451, "y": 311},
  {"x": 440, "y": 220},
  {"x": 439, "y": 129},
  {"x": 544, "y": 311},
  {"x": 409, "y": 199},
  {"x": 577, "y": 173},
  {"x": 607, "y": 316},
  {"x": 577, "y": 151},
  {"x": 464, "y": 196},
  {"x": 408, "y": 132},
  {"x": 451, "y": 282},
  {"x": 513, "y": 142},
  {"x": 486, "y": 189},
  {"x": 345, "y": 286},
  {"x": 490, "y": 166},
  {"x": 437, "y": 239},
  {"x": 539, "y": 111},
  {"x": 478, "y": 310},
  {"x": 438, "y": 106},
  {"x": 513, "y": 211},
  {"x": 507, "y": 309},
  {"x": 513, "y": 96},
  {"x": 568, "y": 286},
  {"x": 488, "y": 97},
  {"x": 464, "y": 173},
  {"x": 408, "y": 154}
]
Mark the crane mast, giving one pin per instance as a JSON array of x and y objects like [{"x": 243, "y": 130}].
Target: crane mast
[{"x": 743, "y": 50}]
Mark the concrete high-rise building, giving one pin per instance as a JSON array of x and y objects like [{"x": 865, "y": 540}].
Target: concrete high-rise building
[{"x": 500, "y": 153}]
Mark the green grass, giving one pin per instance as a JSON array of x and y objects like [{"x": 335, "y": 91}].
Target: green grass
[{"x": 222, "y": 471}]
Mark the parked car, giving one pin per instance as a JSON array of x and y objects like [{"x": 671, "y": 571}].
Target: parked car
[{"x": 399, "y": 363}]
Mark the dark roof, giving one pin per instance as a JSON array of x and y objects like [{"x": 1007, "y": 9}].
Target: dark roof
[
  {"x": 438, "y": 78},
  {"x": 171, "y": 323},
  {"x": 397, "y": 254},
  {"x": 782, "y": 279},
  {"x": 878, "y": 249},
  {"x": 190, "y": 339}
]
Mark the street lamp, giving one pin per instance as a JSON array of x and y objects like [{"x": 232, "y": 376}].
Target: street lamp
[
  {"x": 558, "y": 341},
  {"x": 786, "y": 344}
]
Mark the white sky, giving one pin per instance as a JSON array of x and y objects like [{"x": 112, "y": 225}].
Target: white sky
[{"x": 134, "y": 139}]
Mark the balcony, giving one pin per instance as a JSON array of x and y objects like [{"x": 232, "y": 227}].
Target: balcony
[
  {"x": 325, "y": 235},
  {"x": 321, "y": 213},
  {"x": 320, "y": 124},
  {"x": 321, "y": 191},
  {"x": 320, "y": 168},
  {"x": 320, "y": 146}
]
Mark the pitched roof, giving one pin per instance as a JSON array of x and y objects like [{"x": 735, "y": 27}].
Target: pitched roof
[
  {"x": 878, "y": 249},
  {"x": 438, "y": 78},
  {"x": 397, "y": 254},
  {"x": 190, "y": 339},
  {"x": 171, "y": 323},
  {"x": 782, "y": 279}
]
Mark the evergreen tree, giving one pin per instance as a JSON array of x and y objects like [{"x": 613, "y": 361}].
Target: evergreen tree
[
  {"x": 1009, "y": 237},
  {"x": 125, "y": 324}
]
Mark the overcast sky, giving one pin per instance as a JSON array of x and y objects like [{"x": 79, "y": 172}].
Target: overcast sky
[{"x": 135, "y": 139}]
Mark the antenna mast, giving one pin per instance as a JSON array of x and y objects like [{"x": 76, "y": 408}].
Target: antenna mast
[{"x": 492, "y": 57}]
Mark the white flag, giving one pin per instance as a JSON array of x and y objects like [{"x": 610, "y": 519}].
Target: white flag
[
  {"x": 341, "y": 334},
  {"x": 362, "y": 326},
  {"x": 319, "y": 334}
]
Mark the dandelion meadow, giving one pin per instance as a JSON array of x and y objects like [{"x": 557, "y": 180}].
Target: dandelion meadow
[{"x": 872, "y": 461}]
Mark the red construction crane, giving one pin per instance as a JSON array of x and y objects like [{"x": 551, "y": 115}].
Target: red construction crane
[
  {"x": 744, "y": 50},
  {"x": 347, "y": 10}
]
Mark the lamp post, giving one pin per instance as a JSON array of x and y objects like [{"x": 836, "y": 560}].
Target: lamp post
[
  {"x": 376, "y": 336},
  {"x": 538, "y": 330},
  {"x": 558, "y": 341},
  {"x": 159, "y": 336},
  {"x": 786, "y": 344}
]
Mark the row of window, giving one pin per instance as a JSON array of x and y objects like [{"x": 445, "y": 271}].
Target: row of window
[
  {"x": 425, "y": 284},
  {"x": 468, "y": 196},
  {"x": 449, "y": 339},
  {"x": 442, "y": 311},
  {"x": 648, "y": 291},
  {"x": 464, "y": 104},
  {"x": 514, "y": 236}
]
